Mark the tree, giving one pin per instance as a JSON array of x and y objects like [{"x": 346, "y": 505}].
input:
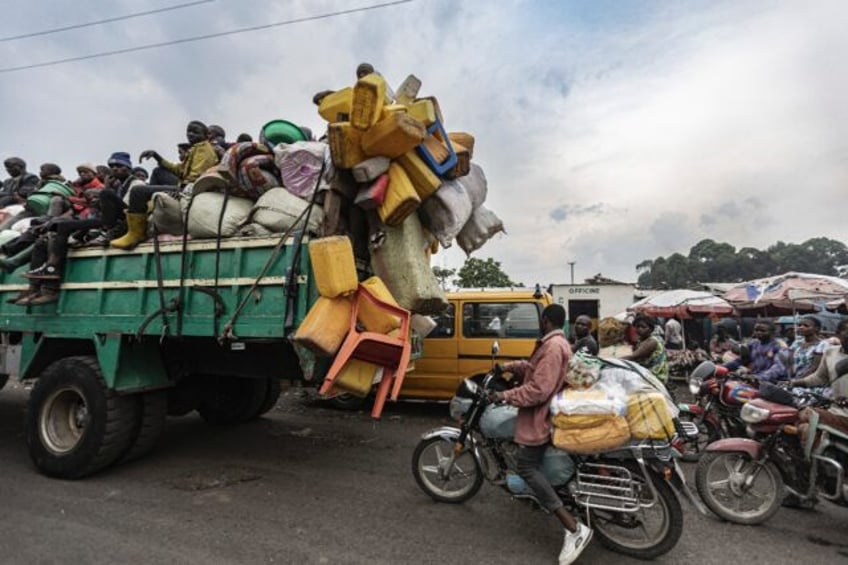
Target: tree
[
  {"x": 442, "y": 275},
  {"x": 477, "y": 273},
  {"x": 712, "y": 261}
]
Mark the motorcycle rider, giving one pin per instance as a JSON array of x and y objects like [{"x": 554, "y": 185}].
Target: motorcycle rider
[
  {"x": 768, "y": 355},
  {"x": 541, "y": 377},
  {"x": 827, "y": 375}
]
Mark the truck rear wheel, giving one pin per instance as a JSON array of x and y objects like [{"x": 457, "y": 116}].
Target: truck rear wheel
[
  {"x": 75, "y": 425},
  {"x": 233, "y": 400},
  {"x": 149, "y": 424},
  {"x": 272, "y": 395}
]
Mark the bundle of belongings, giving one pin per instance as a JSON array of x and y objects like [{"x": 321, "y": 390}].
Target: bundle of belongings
[
  {"x": 386, "y": 187},
  {"x": 607, "y": 403}
]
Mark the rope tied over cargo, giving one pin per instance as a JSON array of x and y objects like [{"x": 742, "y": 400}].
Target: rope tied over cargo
[{"x": 291, "y": 280}]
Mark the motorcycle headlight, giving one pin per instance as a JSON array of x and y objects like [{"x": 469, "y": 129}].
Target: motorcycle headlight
[
  {"x": 753, "y": 414},
  {"x": 459, "y": 407},
  {"x": 694, "y": 386}
]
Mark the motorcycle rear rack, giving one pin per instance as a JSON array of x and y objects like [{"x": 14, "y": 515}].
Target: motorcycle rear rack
[
  {"x": 605, "y": 487},
  {"x": 840, "y": 476}
]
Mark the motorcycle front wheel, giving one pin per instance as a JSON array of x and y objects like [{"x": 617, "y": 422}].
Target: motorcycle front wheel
[
  {"x": 442, "y": 480},
  {"x": 651, "y": 531},
  {"x": 737, "y": 488}
]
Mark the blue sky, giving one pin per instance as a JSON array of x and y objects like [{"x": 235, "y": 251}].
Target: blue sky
[{"x": 610, "y": 132}]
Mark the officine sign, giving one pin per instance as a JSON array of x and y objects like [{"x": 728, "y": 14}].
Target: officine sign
[{"x": 583, "y": 291}]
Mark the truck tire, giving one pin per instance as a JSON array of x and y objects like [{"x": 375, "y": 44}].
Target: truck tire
[
  {"x": 232, "y": 400},
  {"x": 272, "y": 395},
  {"x": 149, "y": 424},
  {"x": 75, "y": 425}
]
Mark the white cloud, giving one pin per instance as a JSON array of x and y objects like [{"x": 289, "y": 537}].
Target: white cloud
[{"x": 664, "y": 114}]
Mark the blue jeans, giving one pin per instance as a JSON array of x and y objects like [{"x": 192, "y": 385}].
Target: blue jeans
[{"x": 530, "y": 458}]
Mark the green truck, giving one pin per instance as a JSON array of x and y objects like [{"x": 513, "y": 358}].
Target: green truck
[{"x": 164, "y": 329}]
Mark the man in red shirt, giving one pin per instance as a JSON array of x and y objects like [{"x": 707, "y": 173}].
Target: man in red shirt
[{"x": 541, "y": 377}]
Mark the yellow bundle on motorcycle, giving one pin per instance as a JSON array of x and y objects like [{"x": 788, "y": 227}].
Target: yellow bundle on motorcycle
[
  {"x": 648, "y": 416},
  {"x": 579, "y": 421},
  {"x": 608, "y": 432}
]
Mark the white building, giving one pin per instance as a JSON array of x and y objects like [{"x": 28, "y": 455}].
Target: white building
[{"x": 597, "y": 301}]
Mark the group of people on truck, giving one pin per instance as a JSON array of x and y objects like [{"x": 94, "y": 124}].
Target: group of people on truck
[{"x": 104, "y": 206}]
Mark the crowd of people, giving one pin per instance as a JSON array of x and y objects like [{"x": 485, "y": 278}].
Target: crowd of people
[{"x": 43, "y": 215}]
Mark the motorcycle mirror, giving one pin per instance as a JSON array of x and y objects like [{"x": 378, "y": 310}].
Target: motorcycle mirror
[
  {"x": 841, "y": 367},
  {"x": 704, "y": 371}
]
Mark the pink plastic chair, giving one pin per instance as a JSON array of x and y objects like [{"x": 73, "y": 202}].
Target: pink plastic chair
[{"x": 391, "y": 353}]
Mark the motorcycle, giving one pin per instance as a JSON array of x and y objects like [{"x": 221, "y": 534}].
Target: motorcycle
[
  {"x": 719, "y": 397},
  {"x": 628, "y": 495},
  {"x": 742, "y": 480}
]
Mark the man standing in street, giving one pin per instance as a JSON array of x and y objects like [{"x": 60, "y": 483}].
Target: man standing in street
[
  {"x": 582, "y": 336},
  {"x": 541, "y": 377}
]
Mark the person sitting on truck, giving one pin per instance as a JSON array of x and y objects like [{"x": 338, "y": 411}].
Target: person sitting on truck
[
  {"x": 650, "y": 350},
  {"x": 113, "y": 200},
  {"x": 50, "y": 172},
  {"x": 50, "y": 250},
  {"x": 20, "y": 183},
  {"x": 200, "y": 157},
  {"x": 217, "y": 137}
]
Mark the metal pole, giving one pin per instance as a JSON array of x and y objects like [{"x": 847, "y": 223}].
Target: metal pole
[{"x": 571, "y": 264}]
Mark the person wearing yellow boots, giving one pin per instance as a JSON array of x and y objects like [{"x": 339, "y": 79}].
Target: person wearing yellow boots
[{"x": 200, "y": 157}]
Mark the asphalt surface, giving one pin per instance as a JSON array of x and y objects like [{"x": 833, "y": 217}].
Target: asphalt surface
[{"x": 307, "y": 484}]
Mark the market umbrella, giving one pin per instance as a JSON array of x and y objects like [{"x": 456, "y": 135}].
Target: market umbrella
[
  {"x": 682, "y": 304},
  {"x": 789, "y": 292}
]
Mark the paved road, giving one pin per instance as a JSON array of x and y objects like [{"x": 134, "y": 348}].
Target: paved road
[{"x": 310, "y": 485}]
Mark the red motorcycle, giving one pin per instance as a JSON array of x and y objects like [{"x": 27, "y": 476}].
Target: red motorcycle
[
  {"x": 719, "y": 398},
  {"x": 743, "y": 479}
]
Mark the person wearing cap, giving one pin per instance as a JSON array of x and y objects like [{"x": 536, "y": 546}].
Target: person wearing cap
[
  {"x": 20, "y": 183},
  {"x": 200, "y": 157},
  {"x": 113, "y": 199}
]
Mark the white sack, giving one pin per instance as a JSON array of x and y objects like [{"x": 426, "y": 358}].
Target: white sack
[
  {"x": 168, "y": 213},
  {"x": 278, "y": 209},
  {"x": 479, "y": 229},
  {"x": 447, "y": 211},
  {"x": 205, "y": 214},
  {"x": 475, "y": 185}
]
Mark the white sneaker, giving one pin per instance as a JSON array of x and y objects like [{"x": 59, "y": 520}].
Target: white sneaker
[{"x": 574, "y": 544}]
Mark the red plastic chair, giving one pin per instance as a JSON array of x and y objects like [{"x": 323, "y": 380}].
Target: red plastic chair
[{"x": 391, "y": 353}]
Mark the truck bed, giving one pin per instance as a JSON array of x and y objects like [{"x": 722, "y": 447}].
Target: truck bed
[{"x": 110, "y": 291}]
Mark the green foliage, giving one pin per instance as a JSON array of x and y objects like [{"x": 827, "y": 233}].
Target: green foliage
[
  {"x": 712, "y": 261},
  {"x": 477, "y": 273},
  {"x": 442, "y": 275}
]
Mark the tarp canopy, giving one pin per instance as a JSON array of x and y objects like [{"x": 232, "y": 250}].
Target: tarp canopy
[
  {"x": 789, "y": 292},
  {"x": 682, "y": 304}
]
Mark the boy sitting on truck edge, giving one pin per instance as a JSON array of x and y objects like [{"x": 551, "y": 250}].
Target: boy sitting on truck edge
[{"x": 201, "y": 156}]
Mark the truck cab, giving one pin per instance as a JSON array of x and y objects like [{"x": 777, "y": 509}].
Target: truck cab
[{"x": 461, "y": 343}]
